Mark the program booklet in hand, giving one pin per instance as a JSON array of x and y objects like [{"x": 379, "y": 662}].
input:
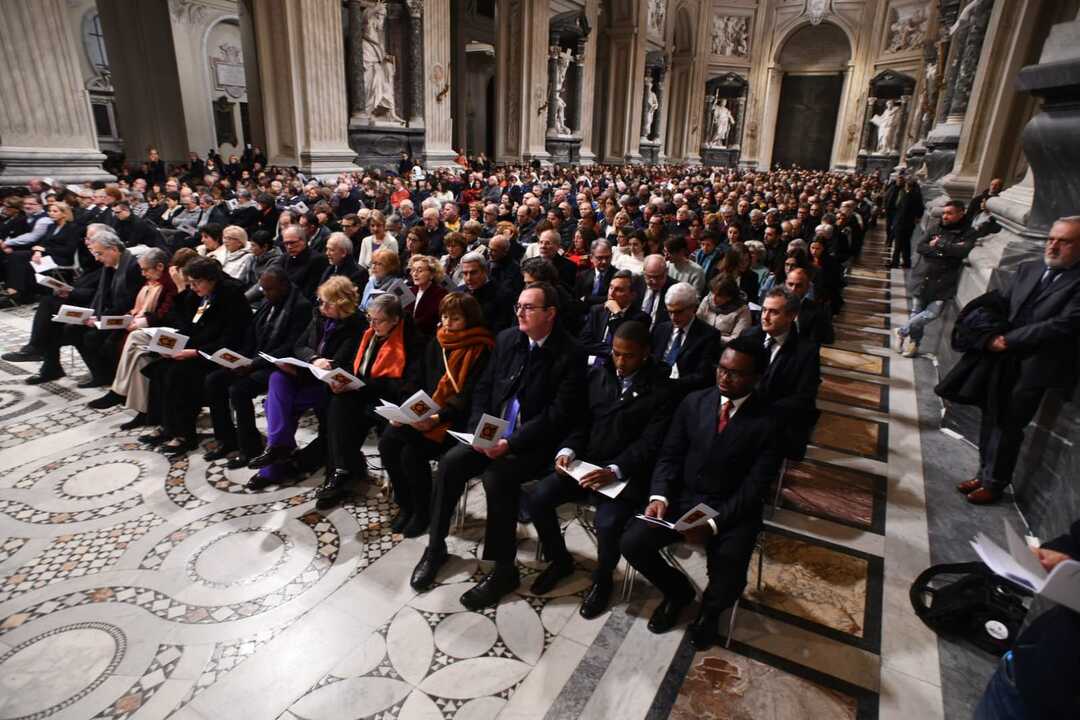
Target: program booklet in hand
[
  {"x": 578, "y": 469},
  {"x": 417, "y": 408},
  {"x": 72, "y": 315},
  {"x": 285, "y": 361},
  {"x": 52, "y": 283},
  {"x": 166, "y": 341},
  {"x": 337, "y": 376},
  {"x": 45, "y": 264},
  {"x": 1019, "y": 564},
  {"x": 112, "y": 322},
  {"x": 227, "y": 358},
  {"x": 697, "y": 515},
  {"x": 489, "y": 431}
]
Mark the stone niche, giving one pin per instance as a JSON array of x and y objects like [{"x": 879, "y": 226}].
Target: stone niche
[
  {"x": 567, "y": 35},
  {"x": 656, "y": 67},
  {"x": 725, "y": 93},
  {"x": 888, "y": 106}
]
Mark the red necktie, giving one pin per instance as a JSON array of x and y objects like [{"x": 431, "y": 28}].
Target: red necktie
[{"x": 725, "y": 415}]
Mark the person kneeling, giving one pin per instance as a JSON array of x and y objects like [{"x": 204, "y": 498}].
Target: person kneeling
[
  {"x": 721, "y": 450},
  {"x": 629, "y": 404}
]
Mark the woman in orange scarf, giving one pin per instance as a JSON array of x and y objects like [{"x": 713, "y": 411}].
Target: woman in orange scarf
[{"x": 454, "y": 361}]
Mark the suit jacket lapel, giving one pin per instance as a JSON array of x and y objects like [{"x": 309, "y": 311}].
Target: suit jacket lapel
[
  {"x": 1067, "y": 279},
  {"x": 1024, "y": 290}
]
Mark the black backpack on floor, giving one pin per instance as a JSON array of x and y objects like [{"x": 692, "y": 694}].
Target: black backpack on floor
[{"x": 978, "y": 606}]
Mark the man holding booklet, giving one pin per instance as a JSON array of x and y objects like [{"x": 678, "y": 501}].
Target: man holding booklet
[
  {"x": 721, "y": 452},
  {"x": 607, "y": 460}
]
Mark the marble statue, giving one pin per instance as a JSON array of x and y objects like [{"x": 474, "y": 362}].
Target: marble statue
[
  {"x": 731, "y": 36},
  {"x": 562, "y": 58},
  {"x": 720, "y": 123},
  {"x": 652, "y": 103},
  {"x": 888, "y": 125},
  {"x": 379, "y": 67},
  {"x": 657, "y": 10}
]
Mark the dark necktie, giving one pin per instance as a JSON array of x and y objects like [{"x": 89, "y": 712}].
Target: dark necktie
[
  {"x": 596, "y": 283},
  {"x": 725, "y": 416},
  {"x": 1047, "y": 280},
  {"x": 673, "y": 350}
]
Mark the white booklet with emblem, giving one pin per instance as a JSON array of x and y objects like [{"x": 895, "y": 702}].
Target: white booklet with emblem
[
  {"x": 73, "y": 315},
  {"x": 227, "y": 358},
  {"x": 578, "y": 469},
  {"x": 166, "y": 341},
  {"x": 417, "y": 408},
  {"x": 52, "y": 283},
  {"x": 488, "y": 432},
  {"x": 697, "y": 515},
  {"x": 1019, "y": 564},
  {"x": 112, "y": 322}
]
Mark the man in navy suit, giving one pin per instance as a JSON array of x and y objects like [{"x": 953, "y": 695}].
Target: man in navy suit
[
  {"x": 687, "y": 345},
  {"x": 721, "y": 450},
  {"x": 654, "y": 289},
  {"x": 592, "y": 284},
  {"x": 1039, "y": 352},
  {"x": 604, "y": 320}
]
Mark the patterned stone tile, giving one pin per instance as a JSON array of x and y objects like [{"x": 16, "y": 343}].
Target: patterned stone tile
[
  {"x": 857, "y": 436},
  {"x": 161, "y": 669},
  {"x": 9, "y": 546},
  {"x": 859, "y": 393},
  {"x": 855, "y": 361},
  {"x": 835, "y": 493}
]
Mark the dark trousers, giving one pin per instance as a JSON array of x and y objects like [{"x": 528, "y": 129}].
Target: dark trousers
[
  {"x": 348, "y": 422},
  {"x": 180, "y": 392},
  {"x": 1001, "y": 433},
  {"x": 727, "y": 557},
  {"x": 406, "y": 456},
  {"x": 548, "y": 494},
  {"x": 225, "y": 388},
  {"x": 502, "y": 486},
  {"x": 100, "y": 349},
  {"x": 901, "y": 249},
  {"x": 18, "y": 273},
  {"x": 42, "y": 328}
]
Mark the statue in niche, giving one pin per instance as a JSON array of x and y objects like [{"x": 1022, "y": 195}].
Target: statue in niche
[
  {"x": 720, "y": 123},
  {"x": 379, "y": 67},
  {"x": 657, "y": 10},
  {"x": 652, "y": 103},
  {"x": 562, "y": 63},
  {"x": 929, "y": 92},
  {"x": 888, "y": 125}
]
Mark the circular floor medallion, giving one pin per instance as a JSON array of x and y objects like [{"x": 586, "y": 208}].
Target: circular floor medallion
[
  {"x": 101, "y": 479},
  {"x": 240, "y": 557}
]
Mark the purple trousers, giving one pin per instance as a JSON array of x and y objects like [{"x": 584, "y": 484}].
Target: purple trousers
[{"x": 286, "y": 400}]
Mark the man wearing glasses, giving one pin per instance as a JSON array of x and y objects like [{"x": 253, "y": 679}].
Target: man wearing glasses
[
  {"x": 535, "y": 381},
  {"x": 303, "y": 265}
]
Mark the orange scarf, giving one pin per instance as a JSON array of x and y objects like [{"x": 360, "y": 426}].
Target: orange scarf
[
  {"x": 390, "y": 359},
  {"x": 460, "y": 352}
]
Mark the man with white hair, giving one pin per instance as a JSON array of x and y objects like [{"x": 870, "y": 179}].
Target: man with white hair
[
  {"x": 688, "y": 346},
  {"x": 435, "y": 230},
  {"x": 656, "y": 285},
  {"x": 346, "y": 200},
  {"x": 407, "y": 212}
]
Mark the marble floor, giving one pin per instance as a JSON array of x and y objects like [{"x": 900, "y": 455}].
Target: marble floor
[{"x": 136, "y": 587}]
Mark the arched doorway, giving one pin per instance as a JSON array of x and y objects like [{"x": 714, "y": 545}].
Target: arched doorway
[{"x": 813, "y": 62}]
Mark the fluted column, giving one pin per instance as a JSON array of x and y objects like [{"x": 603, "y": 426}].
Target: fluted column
[
  {"x": 416, "y": 63},
  {"x": 625, "y": 85},
  {"x": 586, "y": 95},
  {"x": 354, "y": 61},
  {"x": 45, "y": 124},
  {"x": 521, "y": 80},
  {"x": 438, "y": 124},
  {"x": 302, "y": 69}
]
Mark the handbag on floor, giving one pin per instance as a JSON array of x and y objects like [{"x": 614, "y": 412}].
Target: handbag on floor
[{"x": 976, "y": 605}]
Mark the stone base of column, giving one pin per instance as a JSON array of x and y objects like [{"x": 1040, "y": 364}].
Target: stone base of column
[
  {"x": 327, "y": 163},
  {"x": 941, "y": 144},
  {"x": 884, "y": 163},
  {"x": 650, "y": 152},
  {"x": 587, "y": 157},
  {"x": 19, "y": 164},
  {"x": 439, "y": 158},
  {"x": 543, "y": 158},
  {"x": 564, "y": 149},
  {"x": 381, "y": 146}
]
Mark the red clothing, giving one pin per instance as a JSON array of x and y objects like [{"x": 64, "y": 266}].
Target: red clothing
[{"x": 398, "y": 196}]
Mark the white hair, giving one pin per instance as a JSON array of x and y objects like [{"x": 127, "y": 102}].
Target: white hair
[{"x": 681, "y": 293}]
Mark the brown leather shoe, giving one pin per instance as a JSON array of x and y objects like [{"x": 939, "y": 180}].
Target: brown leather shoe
[
  {"x": 969, "y": 486},
  {"x": 983, "y": 496}
]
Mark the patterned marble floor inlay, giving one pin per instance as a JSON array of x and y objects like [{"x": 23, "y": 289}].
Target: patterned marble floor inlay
[
  {"x": 861, "y": 319},
  {"x": 835, "y": 493},
  {"x": 860, "y": 393},
  {"x": 854, "y": 339},
  {"x": 857, "y": 436},
  {"x": 856, "y": 361}
]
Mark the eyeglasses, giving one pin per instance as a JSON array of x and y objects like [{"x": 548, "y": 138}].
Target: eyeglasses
[
  {"x": 729, "y": 372},
  {"x": 520, "y": 309}
]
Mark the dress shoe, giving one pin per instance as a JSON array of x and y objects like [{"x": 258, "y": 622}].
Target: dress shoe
[
  {"x": 596, "y": 600},
  {"x": 704, "y": 631},
  {"x": 497, "y": 583},
  {"x": 969, "y": 486},
  {"x": 666, "y": 615},
  {"x": 258, "y": 482},
  {"x": 237, "y": 461},
  {"x": 217, "y": 453},
  {"x": 24, "y": 354},
  {"x": 153, "y": 439},
  {"x": 106, "y": 401},
  {"x": 399, "y": 523},
  {"x": 271, "y": 456},
  {"x": 178, "y": 449},
  {"x": 136, "y": 422},
  {"x": 90, "y": 382},
  {"x": 423, "y": 575},
  {"x": 333, "y": 491},
  {"x": 983, "y": 496},
  {"x": 417, "y": 526},
  {"x": 546, "y": 581},
  {"x": 44, "y": 376}
]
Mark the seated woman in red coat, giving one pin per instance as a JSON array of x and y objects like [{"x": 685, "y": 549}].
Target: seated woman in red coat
[{"x": 427, "y": 277}]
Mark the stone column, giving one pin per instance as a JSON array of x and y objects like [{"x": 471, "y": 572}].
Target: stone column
[
  {"x": 864, "y": 138},
  {"x": 663, "y": 93},
  {"x": 302, "y": 71},
  {"x": 575, "y": 78},
  {"x": 735, "y": 139},
  {"x": 45, "y": 124},
  {"x": 586, "y": 96},
  {"x": 438, "y": 123},
  {"x": 521, "y": 80},
  {"x": 625, "y": 81},
  {"x": 354, "y": 63},
  {"x": 416, "y": 63}
]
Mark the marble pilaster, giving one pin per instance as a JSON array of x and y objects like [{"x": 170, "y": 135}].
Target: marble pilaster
[
  {"x": 553, "y": 89},
  {"x": 354, "y": 62},
  {"x": 575, "y": 78},
  {"x": 416, "y": 63},
  {"x": 586, "y": 99},
  {"x": 624, "y": 88},
  {"x": 45, "y": 124},
  {"x": 301, "y": 59},
  {"x": 521, "y": 80},
  {"x": 438, "y": 124}
]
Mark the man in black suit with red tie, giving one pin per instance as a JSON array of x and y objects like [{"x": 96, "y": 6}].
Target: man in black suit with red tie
[
  {"x": 629, "y": 404},
  {"x": 721, "y": 450},
  {"x": 1038, "y": 353},
  {"x": 535, "y": 380}
]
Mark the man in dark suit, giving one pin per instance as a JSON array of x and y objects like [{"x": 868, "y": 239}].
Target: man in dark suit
[
  {"x": 720, "y": 450},
  {"x": 814, "y": 321},
  {"x": 134, "y": 231},
  {"x": 903, "y": 208},
  {"x": 303, "y": 265},
  {"x": 548, "y": 246},
  {"x": 790, "y": 383},
  {"x": 535, "y": 380},
  {"x": 339, "y": 259},
  {"x": 629, "y": 405},
  {"x": 652, "y": 291},
  {"x": 592, "y": 284},
  {"x": 604, "y": 320},
  {"x": 494, "y": 301},
  {"x": 503, "y": 270},
  {"x": 1039, "y": 352},
  {"x": 685, "y": 344}
]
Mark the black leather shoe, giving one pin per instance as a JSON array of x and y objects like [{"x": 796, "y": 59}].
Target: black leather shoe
[
  {"x": 23, "y": 354},
  {"x": 153, "y": 439},
  {"x": 237, "y": 461},
  {"x": 333, "y": 491},
  {"x": 179, "y": 449},
  {"x": 596, "y": 600},
  {"x": 44, "y": 376},
  {"x": 418, "y": 525},
  {"x": 217, "y": 453},
  {"x": 258, "y": 482},
  {"x": 492, "y": 588},
  {"x": 106, "y": 401},
  {"x": 399, "y": 523},
  {"x": 90, "y": 382},
  {"x": 705, "y": 630},
  {"x": 546, "y": 581},
  {"x": 136, "y": 422},
  {"x": 666, "y": 614},
  {"x": 271, "y": 456},
  {"x": 423, "y": 575}
]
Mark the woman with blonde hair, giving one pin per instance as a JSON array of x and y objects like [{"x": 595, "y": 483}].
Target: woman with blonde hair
[
  {"x": 239, "y": 262},
  {"x": 294, "y": 390},
  {"x": 379, "y": 239},
  {"x": 427, "y": 284}
]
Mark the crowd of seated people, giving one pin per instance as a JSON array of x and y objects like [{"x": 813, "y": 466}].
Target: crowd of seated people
[{"x": 654, "y": 322}]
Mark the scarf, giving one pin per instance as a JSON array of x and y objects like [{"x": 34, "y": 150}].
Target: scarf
[
  {"x": 460, "y": 351},
  {"x": 390, "y": 359}
]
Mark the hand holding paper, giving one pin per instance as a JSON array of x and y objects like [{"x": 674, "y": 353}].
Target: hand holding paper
[{"x": 488, "y": 432}]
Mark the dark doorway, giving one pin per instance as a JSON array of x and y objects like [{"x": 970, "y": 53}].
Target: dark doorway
[{"x": 806, "y": 121}]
